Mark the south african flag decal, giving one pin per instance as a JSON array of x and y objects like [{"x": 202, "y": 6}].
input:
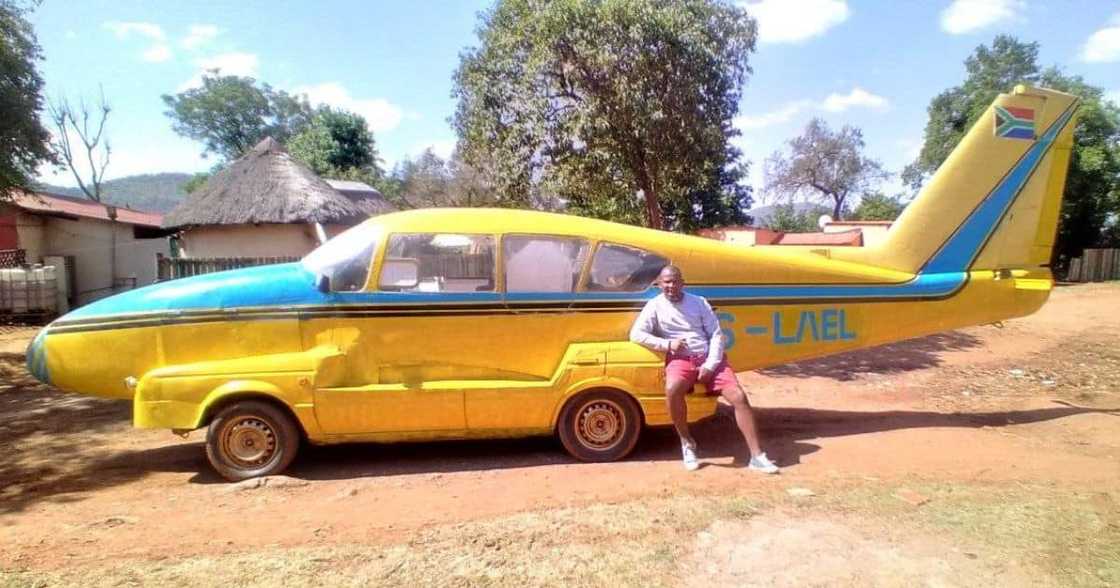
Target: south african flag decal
[{"x": 1015, "y": 123}]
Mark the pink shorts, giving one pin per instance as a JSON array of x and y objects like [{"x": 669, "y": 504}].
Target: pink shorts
[{"x": 688, "y": 368}]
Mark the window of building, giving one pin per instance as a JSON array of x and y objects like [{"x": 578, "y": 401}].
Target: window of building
[
  {"x": 438, "y": 262},
  {"x": 539, "y": 263},
  {"x": 617, "y": 268}
]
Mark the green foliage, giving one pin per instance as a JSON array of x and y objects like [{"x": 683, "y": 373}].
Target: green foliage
[
  {"x": 876, "y": 206},
  {"x": 147, "y": 192},
  {"x": 23, "y": 140},
  {"x": 1092, "y": 190},
  {"x": 825, "y": 165},
  {"x": 195, "y": 182},
  {"x": 231, "y": 114},
  {"x": 787, "y": 218},
  {"x": 621, "y": 109},
  {"x": 337, "y": 144},
  {"x": 429, "y": 181}
]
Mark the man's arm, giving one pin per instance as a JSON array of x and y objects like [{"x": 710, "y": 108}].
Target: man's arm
[
  {"x": 642, "y": 332},
  {"x": 715, "y": 342}
]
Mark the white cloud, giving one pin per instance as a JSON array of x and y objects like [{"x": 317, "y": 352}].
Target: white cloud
[
  {"x": 232, "y": 64},
  {"x": 199, "y": 35},
  {"x": 858, "y": 97},
  {"x": 777, "y": 117},
  {"x": 145, "y": 29},
  {"x": 793, "y": 21},
  {"x": 967, "y": 16},
  {"x": 228, "y": 64},
  {"x": 1104, "y": 45},
  {"x": 157, "y": 53},
  {"x": 380, "y": 114}
]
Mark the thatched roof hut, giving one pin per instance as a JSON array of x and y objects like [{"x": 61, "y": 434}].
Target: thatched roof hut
[{"x": 268, "y": 186}]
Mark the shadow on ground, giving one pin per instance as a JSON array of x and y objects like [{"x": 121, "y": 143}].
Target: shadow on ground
[
  {"x": 55, "y": 444},
  {"x": 905, "y": 356},
  {"x": 786, "y": 429}
]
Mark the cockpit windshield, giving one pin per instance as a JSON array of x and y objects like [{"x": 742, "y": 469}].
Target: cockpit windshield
[{"x": 346, "y": 259}]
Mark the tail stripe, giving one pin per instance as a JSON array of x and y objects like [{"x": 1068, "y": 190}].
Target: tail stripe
[{"x": 960, "y": 251}]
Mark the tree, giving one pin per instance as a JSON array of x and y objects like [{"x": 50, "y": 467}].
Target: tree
[
  {"x": 24, "y": 143},
  {"x": 952, "y": 113},
  {"x": 87, "y": 160},
  {"x": 336, "y": 143},
  {"x": 231, "y": 114},
  {"x": 621, "y": 109},
  {"x": 876, "y": 206},
  {"x": 786, "y": 218},
  {"x": 823, "y": 164},
  {"x": 1092, "y": 189}
]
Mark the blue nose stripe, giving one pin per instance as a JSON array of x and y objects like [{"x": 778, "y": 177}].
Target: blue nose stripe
[{"x": 37, "y": 357}]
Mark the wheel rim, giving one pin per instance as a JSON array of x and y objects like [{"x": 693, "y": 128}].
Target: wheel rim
[
  {"x": 600, "y": 425},
  {"x": 249, "y": 442}
]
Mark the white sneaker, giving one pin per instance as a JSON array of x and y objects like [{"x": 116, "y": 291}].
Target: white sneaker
[
  {"x": 761, "y": 463},
  {"x": 691, "y": 463}
]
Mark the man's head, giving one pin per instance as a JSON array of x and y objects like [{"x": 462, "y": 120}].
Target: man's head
[{"x": 671, "y": 283}]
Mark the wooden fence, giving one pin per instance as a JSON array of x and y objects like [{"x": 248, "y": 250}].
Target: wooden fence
[
  {"x": 168, "y": 268},
  {"x": 1095, "y": 265}
]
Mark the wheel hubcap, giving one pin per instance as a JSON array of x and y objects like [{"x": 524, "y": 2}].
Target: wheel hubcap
[
  {"x": 249, "y": 441},
  {"x": 601, "y": 425}
]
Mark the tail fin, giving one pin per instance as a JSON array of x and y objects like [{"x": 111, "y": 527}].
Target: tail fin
[{"x": 994, "y": 203}]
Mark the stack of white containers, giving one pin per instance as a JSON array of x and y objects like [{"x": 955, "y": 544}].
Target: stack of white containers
[{"x": 32, "y": 290}]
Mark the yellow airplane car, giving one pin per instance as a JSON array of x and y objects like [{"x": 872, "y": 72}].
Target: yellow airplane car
[{"x": 460, "y": 323}]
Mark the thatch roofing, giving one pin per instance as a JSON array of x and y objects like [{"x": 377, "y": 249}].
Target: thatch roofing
[{"x": 267, "y": 185}]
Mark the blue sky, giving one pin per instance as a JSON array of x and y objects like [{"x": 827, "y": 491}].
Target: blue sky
[{"x": 875, "y": 65}]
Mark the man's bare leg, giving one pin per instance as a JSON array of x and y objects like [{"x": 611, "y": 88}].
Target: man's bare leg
[
  {"x": 675, "y": 391},
  {"x": 744, "y": 417}
]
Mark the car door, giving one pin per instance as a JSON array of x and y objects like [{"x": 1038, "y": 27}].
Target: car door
[
  {"x": 540, "y": 274},
  {"x": 422, "y": 332}
]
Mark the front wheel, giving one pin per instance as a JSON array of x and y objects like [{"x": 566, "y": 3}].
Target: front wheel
[
  {"x": 251, "y": 438},
  {"x": 600, "y": 425}
]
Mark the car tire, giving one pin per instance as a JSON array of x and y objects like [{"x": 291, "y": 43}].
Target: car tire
[
  {"x": 600, "y": 425},
  {"x": 251, "y": 438}
]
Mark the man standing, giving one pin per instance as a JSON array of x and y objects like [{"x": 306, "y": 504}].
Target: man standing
[{"x": 686, "y": 329}]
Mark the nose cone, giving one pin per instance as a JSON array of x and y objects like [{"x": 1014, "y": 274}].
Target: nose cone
[
  {"x": 267, "y": 285},
  {"x": 37, "y": 357}
]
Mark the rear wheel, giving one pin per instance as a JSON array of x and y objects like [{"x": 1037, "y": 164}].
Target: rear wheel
[
  {"x": 600, "y": 425},
  {"x": 251, "y": 438}
]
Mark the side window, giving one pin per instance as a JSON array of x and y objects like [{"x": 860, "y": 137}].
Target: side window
[
  {"x": 617, "y": 268},
  {"x": 536, "y": 263},
  {"x": 438, "y": 262}
]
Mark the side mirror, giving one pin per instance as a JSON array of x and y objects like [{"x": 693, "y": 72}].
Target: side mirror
[
  {"x": 323, "y": 283},
  {"x": 400, "y": 274}
]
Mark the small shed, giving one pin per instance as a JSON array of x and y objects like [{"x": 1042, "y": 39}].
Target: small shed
[
  {"x": 267, "y": 204},
  {"x": 77, "y": 236}
]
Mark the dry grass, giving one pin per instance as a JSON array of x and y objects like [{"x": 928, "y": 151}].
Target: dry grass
[{"x": 1055, "y": 536}]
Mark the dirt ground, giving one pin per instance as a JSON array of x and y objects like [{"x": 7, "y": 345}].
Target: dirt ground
[{"x": 986, "y": 455}]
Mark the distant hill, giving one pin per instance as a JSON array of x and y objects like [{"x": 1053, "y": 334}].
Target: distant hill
[
  {"x": 762, "y": 214},
  {"x": 147, "y": 192}
]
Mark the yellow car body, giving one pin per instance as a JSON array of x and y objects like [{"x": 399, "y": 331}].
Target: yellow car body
[{"x": 487, "y": 323}]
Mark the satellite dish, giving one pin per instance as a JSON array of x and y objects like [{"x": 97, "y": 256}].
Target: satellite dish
[{"x": 823, "y": 221}]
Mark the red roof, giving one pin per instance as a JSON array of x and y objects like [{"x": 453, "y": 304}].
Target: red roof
[
  {"x": 39, "y": 202},
  {"x": 856, "y": 223},
  {"x": 852, "y": 238}
]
